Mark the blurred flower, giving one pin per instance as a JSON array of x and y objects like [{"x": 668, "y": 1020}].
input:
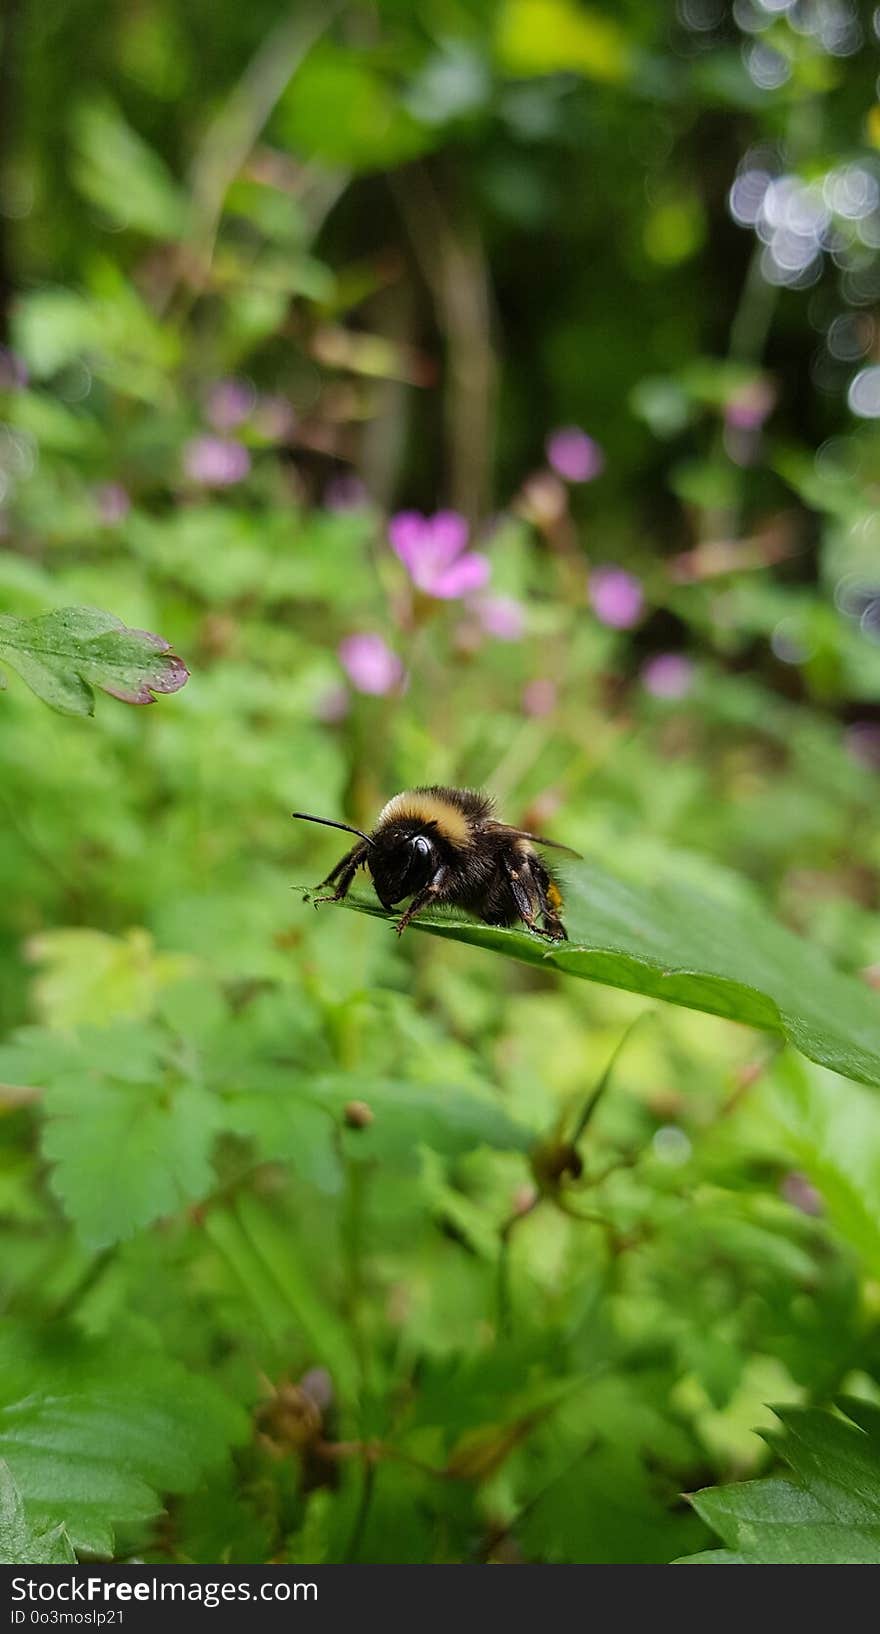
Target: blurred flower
[
  {"x": 668, "y": 675},
  {"x": 501, "y": 616},
  {"x": 862, "y": 741},
  {"x": 573, "y": 455},
  {"x": 749, "y": 406},
  {"x": 215, "y": 462},
  {"x": 318, "y": 1384},
  {"x": 539, "y": 697},
  {"x": 801, "y": 1193},
  {"x": 333, "y": 705},
  {"x": 616, "y": 597},
  {"x": 434, "y": 552},
  {"x": 228, "y": 403},
  {"x": 13, "y": 370},
  {"x": 345, "y": 492},
  {"x": 370, "y": 664},
  {"x": 113, "y": 503}
]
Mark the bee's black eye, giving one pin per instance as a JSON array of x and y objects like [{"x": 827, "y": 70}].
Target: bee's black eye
[{"x": 422, "y": 846}]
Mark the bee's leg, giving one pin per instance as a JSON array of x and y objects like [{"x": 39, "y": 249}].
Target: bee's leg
[
  {"x": 523, "y": 889},
  {"x": 550, "y": 901},
  {"x": 431, "y": 894},
  {"x": 342, "y": 874}
]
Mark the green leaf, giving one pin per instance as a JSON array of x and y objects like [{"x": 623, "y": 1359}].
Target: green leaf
[
  {"x": 90, "y": 978},
  {"x": 130, "y": 1140},
  {"x": 52, "y": 328},
  {"x": 673, "y": 943},
  {"x": 129, "y": 1134},
  {"x": 557, "y": 36},
  {"x": 93, "y": 1432},
  {"x": 407, "y": 1115},
  {"x": 64, "y": 654},
  {"x": 20, "y": 1543},
  {"x": 340, "y": 109},
  {"x": 831, "y": 1131},
  {"x": 119, "y": 173},
  {"x": 826, "y": 1512},
  {"x": 263, "y": 1256}
]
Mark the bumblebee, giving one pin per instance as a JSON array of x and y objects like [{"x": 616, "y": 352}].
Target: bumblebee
[{"x": 445, "y": 847}]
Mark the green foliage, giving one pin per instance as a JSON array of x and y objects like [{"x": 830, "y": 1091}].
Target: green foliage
[
  {"x": 677, "y": 945},
  {"x": 20, "y": 1544},
  {"x": 121, "y": 174},
  {"x": 832, "y": 1134},
  {"x": 549, "y": 36},
  {"x": 827, "y": 1509},
  {"x": 90, "y": 1431},
  {"x": 63, "y": 655}
]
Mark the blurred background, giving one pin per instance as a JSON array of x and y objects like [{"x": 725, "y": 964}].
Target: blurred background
[{"x": 471, "y": 391}]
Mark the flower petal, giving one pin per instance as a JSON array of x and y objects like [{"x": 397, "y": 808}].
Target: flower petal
[
  {"x": 466, "y": 575},
  {"x": 448, "y": 535},
  {"x": 407, "y": 532}
]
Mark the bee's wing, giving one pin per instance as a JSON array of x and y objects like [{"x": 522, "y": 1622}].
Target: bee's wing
[{"x": 537, "y": 839}]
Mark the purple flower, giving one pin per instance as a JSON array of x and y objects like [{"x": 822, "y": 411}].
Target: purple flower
[
  {"x": 749, "y": 406},
  {"x": 501, "y": 616},
  {"x": 13, "y": 370},
  {"x": 539, "y": 697},
  {"x": 801, "y": 1193},
  {"x": 862, "y": 741},
  {"x": 345, "y": 492},
  {"x": 669, "y": 675},
  {"x": 434, "y": 552},
  {"x": 228, "y": 403},
  {"x": 616, "y": 596},
  {"x": 113, "y": 503},
  {"x": 215, "y": 462},
  {"x": 370, "y": 664},
  {"x": 573, "y": 455},
  {"x": 318, "y": 1384}
]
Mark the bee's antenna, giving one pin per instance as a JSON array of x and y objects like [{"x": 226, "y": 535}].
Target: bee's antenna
[{"x": 307, "y": 817}]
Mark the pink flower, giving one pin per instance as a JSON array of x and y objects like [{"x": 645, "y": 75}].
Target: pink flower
[
  {"x": 669, "y": 675},
  {"x": 215, "y": 462},
  {"x": 573, "y": 455},
  {"x": 434, "y": 552},
  {"x": 113, "y": 503},
  {"x": 370, "y": 664},
  {"x": 228, "y": 403},
  {"x": 801, "y": 1193},
  {"x": 616, "y": 596},
  {"x": 501, "y": 616},
  {"x": 539, "y": 698}
]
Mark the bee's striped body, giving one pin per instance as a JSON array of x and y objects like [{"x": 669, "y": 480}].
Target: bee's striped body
[{"x": 444, "y": 846}]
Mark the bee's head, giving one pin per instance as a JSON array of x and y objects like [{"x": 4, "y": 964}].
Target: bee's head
[{"x": 402, "y": 859}]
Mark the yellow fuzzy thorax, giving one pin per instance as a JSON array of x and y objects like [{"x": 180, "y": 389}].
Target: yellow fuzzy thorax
[{"x": 419, "y": 806}]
